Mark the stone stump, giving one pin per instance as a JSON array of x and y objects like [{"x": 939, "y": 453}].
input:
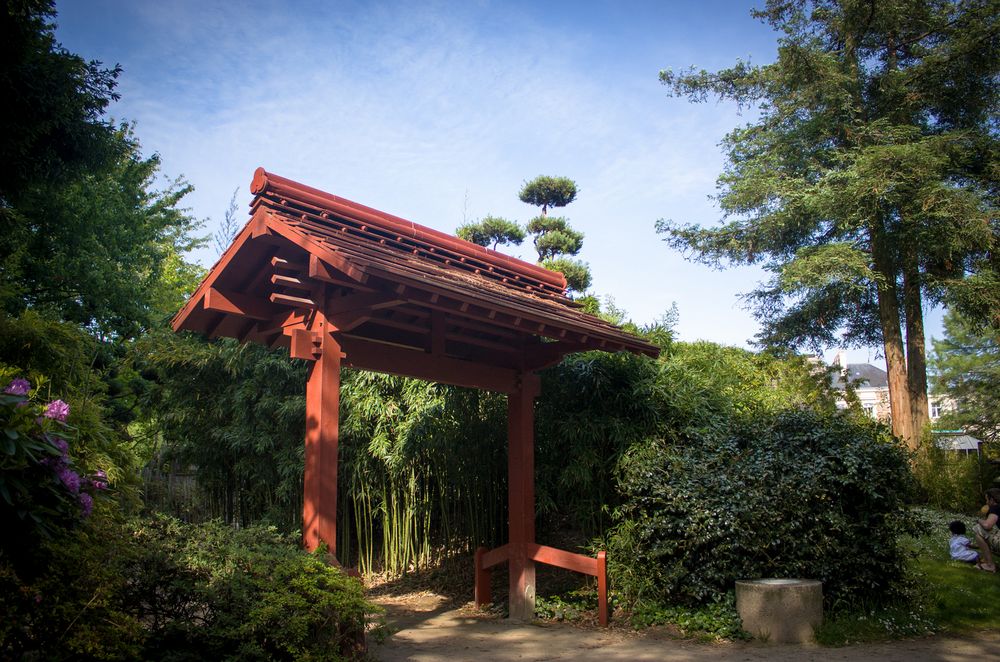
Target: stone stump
[{"x": 780, "y": 610}]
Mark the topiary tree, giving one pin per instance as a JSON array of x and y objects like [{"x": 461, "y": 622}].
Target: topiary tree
[
  {"x": 554, "y": 239},
  {"x": 545, "y": 192},
  {"x": 492, "y": 230}
]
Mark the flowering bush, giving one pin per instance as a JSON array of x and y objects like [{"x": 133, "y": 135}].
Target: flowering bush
[{"x": 42, "y": 491}]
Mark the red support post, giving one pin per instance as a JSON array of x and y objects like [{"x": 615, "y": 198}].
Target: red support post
[
  {"x": 602, "y": 588},
  {"x": 483, "y": 590},
  {"x": 319, "y": 508},
  {"x": 521, "y": 494}
]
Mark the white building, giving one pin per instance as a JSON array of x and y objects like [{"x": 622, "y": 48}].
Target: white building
[{"x": 871, "y": 385}]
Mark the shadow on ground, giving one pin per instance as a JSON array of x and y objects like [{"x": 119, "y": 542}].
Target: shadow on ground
[{"x": 430, "y": 618}]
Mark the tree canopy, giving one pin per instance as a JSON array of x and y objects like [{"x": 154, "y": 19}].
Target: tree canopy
[
  {"x": 492, "y": 230},
  {"x": 88, "y": 235},
  {"x": 555, "y": 241},
  {"x": 544, "y": 191},
  {"x": 554, "y": 237},
  {"x": 54, "y": 107},
  {"x": 966, "y": 364},
  {"x": 868, "y": 183}
]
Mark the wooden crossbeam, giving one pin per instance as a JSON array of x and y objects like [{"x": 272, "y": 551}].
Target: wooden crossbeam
[
  {"x": 394, "y": 359},
  {"x": 235, "y": 303},
  {"x": 289, "y": 300}
]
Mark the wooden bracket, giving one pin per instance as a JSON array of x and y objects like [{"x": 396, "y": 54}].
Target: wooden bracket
[{"x": 306, "y": 344}]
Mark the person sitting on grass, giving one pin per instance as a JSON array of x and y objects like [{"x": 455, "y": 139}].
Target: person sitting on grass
[
  {"x": 962, "y": 549},
  {"x": 988, "y": 531}
]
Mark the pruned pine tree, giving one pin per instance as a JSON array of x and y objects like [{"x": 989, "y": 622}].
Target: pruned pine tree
[
  {"x": 545, "y": 192},
  {"x": 492, "y": 230},
  {"x": 555, "y": 241},
  {"x": 868, "y": 183}
]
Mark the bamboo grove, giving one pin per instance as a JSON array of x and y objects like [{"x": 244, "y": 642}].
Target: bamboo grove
[{"x": 423, "y": 466}]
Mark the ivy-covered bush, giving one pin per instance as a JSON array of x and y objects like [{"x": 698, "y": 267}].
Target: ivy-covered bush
[
  {"x": 793, "y": 494},
  {"x": 158, "y": 589}
]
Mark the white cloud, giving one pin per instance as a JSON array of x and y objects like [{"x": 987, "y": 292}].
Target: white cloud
[{"x": 409, "y": 107}]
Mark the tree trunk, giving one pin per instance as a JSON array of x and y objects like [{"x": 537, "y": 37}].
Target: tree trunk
[
  {"x": 916, "y": 360},
  {"x": 892, "y": 337}
]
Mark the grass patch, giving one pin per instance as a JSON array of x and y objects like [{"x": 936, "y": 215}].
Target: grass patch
[
  {"x": 943, "y": 595},
  {"x": 958, "y": 597}
]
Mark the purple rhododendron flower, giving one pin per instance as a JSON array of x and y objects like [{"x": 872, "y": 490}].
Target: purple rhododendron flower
[
  {"x": 58, "y": 410},
  {"x": 70, "y": 479},
  {"x": 18, "y": 387},
  {"x": 86, "y": 503},
  {"x": 60, "y": 444}
]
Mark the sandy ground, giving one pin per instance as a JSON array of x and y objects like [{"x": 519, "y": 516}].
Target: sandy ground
[{"x": 427, "y": 627}]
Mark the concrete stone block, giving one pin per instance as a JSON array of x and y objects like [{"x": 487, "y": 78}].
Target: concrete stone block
[{"x": 780, "y": 610}]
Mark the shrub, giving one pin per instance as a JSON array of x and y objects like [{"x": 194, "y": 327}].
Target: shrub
[
  {"x": 157, "y": 589},
  {"x": 951, "y": 481},
  {"x": 43, "y": 491},
  {"x": 793, "y": 494}
]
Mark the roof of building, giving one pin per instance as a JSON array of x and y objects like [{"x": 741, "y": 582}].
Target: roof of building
[
  {"x": 383, "y": 279},
  {"x": 957, "y": 442},
  {"x": 865, "y": 374}
]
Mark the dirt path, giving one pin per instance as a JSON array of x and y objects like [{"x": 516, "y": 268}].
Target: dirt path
[{"x": 428, "y": 628}]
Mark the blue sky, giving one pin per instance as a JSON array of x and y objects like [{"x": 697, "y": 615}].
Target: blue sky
[{"x": 439, "y": 111}]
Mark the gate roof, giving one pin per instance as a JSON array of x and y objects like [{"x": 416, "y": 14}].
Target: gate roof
[{"x": 403, "y": 298}]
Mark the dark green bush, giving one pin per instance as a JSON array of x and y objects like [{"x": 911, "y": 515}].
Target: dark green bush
[
  {"x": 793, "y": 494},
  {"x": 157, "y": 589}
]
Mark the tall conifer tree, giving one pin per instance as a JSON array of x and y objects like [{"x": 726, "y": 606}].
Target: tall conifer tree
[{"x": 868, "y": 184}]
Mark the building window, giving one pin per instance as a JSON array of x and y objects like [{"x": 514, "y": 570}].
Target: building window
[
  {"x": 935, "y": 410},
  {"x": 870, "y": 410}
]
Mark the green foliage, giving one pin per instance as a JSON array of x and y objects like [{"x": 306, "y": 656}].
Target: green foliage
[
  {"x": 956, "y": 598},
  {"x": 425, "y": 470},
  {"x": 43, "y": 490},
  {"x": 707, "y": 386},
  {"x": 492, "y": 230},
  {"x": 54, "y": 107},
  {"x": 554, "y": 237},
  {"x": 716, "y": 619},
  {"x": 68, "y": 363},
  {"x": 422, "y": 466},
  {"x": 966, "y": 364},
  {"x": 868, "y": 181},
  {"x": 593, "y": 407},
  {"x": 64, "y": 362},
  {"x": 571, "y": 605},
  {"x": 237, "y": 413},
  {"x": 103, "y": 249},
  {"x": 577, "y": 272},
  {"x": 86, "y": 236},
  {"x": 544, "y": 191},
  {"x": 156, "y": 589},
  {"x": 941, "y": 595},
  {"x": 951, "y": 481},
  {"x": 793, "y": 494}
]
